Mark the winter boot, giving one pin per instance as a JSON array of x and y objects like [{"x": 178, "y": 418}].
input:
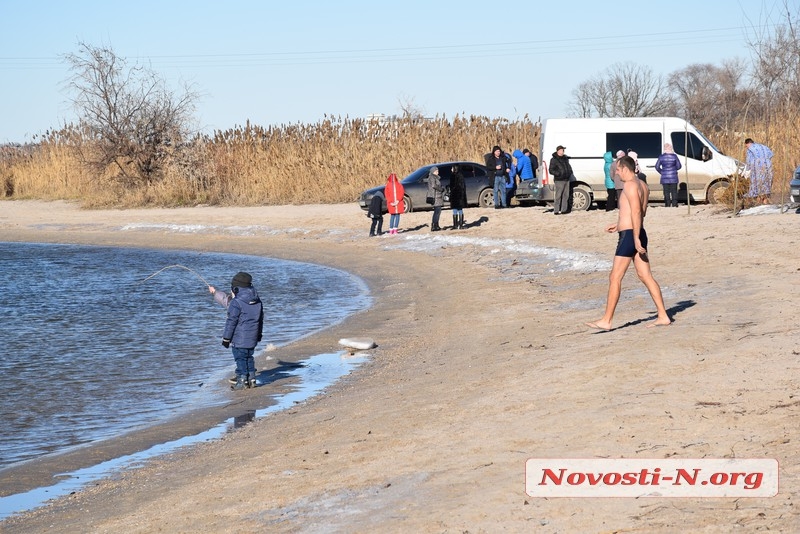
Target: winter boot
[
  {"x": 251, "y": 381},
  {"x": 460, "y": 221},
  {"x": 241, "y": 383},
  {"x": 455, "y": 221}
]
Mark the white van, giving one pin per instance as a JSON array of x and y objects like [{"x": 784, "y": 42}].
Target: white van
[{"x": 706, "y": 170}]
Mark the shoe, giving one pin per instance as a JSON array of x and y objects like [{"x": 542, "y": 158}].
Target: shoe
[
  {"x": 241, "y": 383},
  {"x": 251, "y": 383},
  {"x": 233, "y": 379}
]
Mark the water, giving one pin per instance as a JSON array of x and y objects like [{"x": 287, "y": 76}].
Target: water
[{"x": 90, "y": 351}]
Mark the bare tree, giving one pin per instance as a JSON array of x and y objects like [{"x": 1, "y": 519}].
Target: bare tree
[
  {"x": 711, "y": 97},
  {"x": 409, "y": 109},
  {"x": 133, "y": 119},
  {"x": 622, "y": 90},
  {"x": 776, "y": 58}
]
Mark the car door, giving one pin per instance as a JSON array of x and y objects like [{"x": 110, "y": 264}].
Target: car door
[
  {"x": 445, "y": 174},
  {"x": 475, "y": 179}
]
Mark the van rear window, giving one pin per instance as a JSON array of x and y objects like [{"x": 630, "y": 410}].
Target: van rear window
[{"x": 645, "y": 144}]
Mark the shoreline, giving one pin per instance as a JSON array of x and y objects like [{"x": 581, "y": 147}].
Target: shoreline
[{"x": 482, "y": 363}]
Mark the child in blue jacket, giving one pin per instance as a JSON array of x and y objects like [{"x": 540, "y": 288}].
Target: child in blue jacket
[{"x": 243, "y": 327}]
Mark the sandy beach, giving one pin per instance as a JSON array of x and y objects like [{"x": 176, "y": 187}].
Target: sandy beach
[{"x": 484, "y": 361}]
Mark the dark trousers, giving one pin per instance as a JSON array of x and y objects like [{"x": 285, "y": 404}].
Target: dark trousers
[
  {"x": 377, "y": 223},
  {"x": 561, "y": 200},
  {"x": 611, "y": 203},
  {"x": 437, "y": 211},
  {"x": 670, "y": 195}
]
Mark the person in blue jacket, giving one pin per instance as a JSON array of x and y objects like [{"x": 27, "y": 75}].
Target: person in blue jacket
[
  {"x": 611, "y": 201},
  {"x": 511, "y": 181},
  {"x": 668, "y": 165},
  {"x": 243, "y": 326},
  {"x": 524, "y": 165}
]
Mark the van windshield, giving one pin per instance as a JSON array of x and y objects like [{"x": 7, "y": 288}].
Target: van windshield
[{"x": 709, "y": 143}]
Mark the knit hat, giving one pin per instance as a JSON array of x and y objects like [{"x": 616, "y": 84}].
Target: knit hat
[
  {"x": 620, "y": 153},
  {"x": 242, "y": 279},
  {"x": 434, "y": 169},
  {"x": 668, "y": 148}
]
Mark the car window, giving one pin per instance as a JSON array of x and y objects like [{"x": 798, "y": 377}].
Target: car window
[
  {"x": 687, "y": 145},
  {"x": 645, "y": 144},
  {"x": 477, "y": 171},
  {"x": 416, "y": 176}
]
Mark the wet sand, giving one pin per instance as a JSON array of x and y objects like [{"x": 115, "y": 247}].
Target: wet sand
[{"x": 484, "y": 361}]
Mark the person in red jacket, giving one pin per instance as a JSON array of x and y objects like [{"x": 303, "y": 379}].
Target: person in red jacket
[{"x": 394, "y": 202}]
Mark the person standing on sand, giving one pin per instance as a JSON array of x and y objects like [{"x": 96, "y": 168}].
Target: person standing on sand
[
  {"x": 759, "y": 163},
  {"x": 375, "y": 212},
  {"x": 668, "y": 165},
  {"x": 458, "y": 197},
  {"x": 394, "y": 192},
  {"x": 436, "y": 192},
  {"x": 632, "y": 245},
  {"x": 561, "y": 170}
]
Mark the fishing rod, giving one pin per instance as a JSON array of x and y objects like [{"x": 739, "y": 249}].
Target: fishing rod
[{"x": 177, "y": 265}]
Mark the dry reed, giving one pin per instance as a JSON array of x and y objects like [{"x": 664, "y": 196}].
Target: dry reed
[{"x": 331, "y": 161}]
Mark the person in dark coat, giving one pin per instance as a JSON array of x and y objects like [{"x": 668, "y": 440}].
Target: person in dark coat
[
  {"x": 668, "y": 165},
  {"x": 436, "y": 192},
  {"x": 562, "y": 173},
  {"x": 375, "y": 212},
  {"x": 497, "y": 163},
  {"x": 458, "y": 197},
  {"x": 243, "y": 326}
]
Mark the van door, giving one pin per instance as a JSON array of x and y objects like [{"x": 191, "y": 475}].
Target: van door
[
  {"x": 699, "y": 166},
  {"x": 648, "y": 147}
]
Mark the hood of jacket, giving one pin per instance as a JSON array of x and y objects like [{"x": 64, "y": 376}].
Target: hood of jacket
[
  {"x": 608, "y": 157},
  {"x": 247, "y": 294},
  {"x": 518, "y": 153}
]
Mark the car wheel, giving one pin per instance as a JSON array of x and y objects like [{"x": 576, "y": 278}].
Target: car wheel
[
  {"x": 581, "y": 199},
  {"x": 715, "y": 192},
  {"x": 408, "y": 208},
  {"x": 486, "y": 198}
]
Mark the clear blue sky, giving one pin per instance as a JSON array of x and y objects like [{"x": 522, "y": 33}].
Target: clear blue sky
[{"x": 295, "y": 61}]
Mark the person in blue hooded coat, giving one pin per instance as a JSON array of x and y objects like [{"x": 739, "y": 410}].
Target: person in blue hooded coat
[
  {"x": 524, "y": 165},
  {"x": 611, "y": 201},
  {"x": 243, "y": 327}
]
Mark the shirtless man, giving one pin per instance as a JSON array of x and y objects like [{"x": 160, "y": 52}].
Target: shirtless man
[{"x": 632, "y": 245}]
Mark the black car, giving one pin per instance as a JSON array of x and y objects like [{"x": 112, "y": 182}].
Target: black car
[
  {"x": 794, "y": 186},
  {"x": 476, "y": 179}
]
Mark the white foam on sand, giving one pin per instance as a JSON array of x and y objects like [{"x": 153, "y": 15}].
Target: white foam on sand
[
  {"x": 768, "y": 209},
  {"x": 211, "y": 229},
  {"x": 522, "y": 251}
]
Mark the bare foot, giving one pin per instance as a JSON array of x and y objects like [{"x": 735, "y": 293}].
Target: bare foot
[
  {"x": 660, "y": 322},
  {"x": 599, "y": 325}
]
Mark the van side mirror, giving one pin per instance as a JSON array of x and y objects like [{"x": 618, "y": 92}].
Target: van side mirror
[{"x": 706, "y": 153}]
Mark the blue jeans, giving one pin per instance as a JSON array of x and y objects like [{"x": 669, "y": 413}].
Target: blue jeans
[
  {"x": 245, "y": 363},
  {"x": 499, "y": 191},
  {"x": 394, "y": 220}
]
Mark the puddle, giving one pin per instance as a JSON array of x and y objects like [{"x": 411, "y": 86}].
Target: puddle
[{"x": 313, "y": 375}]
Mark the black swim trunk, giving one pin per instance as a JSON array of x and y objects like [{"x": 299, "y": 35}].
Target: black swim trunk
[{"x": 626, "y": 247}]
